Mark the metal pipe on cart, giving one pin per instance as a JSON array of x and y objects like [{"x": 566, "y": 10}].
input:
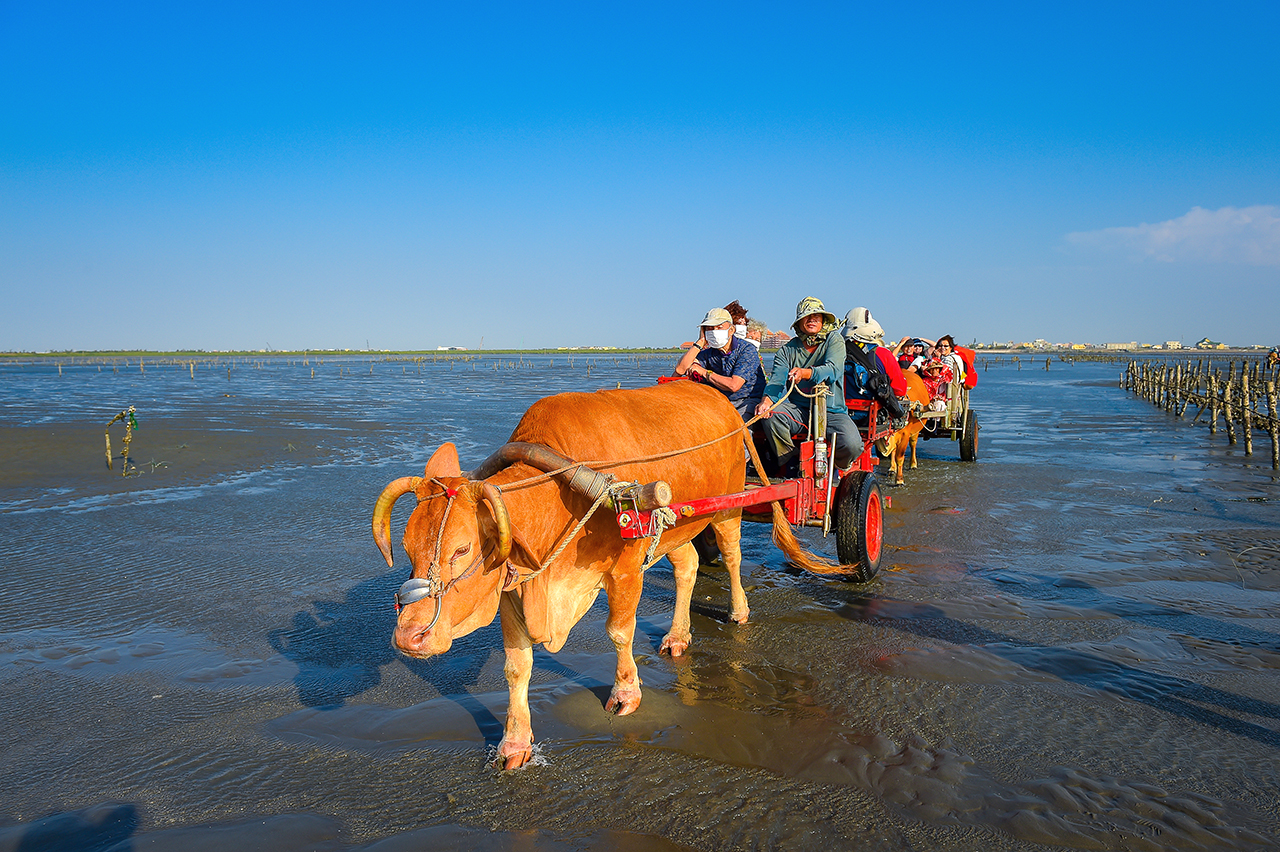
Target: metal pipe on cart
[
  {"x": 831, "y": 479},
  {"x": 819, "y": 430}
]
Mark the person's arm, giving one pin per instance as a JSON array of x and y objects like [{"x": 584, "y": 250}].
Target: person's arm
[
  {"x": 741, "y": 365},
  {"x": 690, "y": 354},
  {"x": 727, "y": 383}
]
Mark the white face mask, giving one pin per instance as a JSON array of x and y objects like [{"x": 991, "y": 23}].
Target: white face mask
[
  {"x": 755, "y": 343},
  {"x": 740, "y": 331},
  {"x": 717, "y": 337}
]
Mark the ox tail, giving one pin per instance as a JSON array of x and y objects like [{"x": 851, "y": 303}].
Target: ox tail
[{"x": 785, "y": 537}]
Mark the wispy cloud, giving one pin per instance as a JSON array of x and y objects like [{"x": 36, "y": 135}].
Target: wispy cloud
[{"x": 1247, "y": 235}]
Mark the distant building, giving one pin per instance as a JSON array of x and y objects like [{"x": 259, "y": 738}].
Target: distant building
[
  {"x": 774, "y": 339},
  {"x": 1173, "y": 344},
  {"x": 1132, "y": 344},
  {"x": 1206, "y": 343}
]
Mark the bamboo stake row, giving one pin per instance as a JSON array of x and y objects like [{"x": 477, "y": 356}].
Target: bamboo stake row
[{"x": 1244, "y": 398}]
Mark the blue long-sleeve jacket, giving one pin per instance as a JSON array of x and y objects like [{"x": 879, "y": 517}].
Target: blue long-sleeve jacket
[{"x": 827, "y": 363}]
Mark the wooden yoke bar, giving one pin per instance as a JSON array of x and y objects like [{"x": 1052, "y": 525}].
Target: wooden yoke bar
[{"x": 636, "y": 522}]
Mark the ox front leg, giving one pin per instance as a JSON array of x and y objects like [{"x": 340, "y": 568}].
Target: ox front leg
[
  {"x": 729, "y": 538},
  {"x": 623, "y": 588},
  {"x": 516, "y": 748},
  {"x": 684, "y": 564},
  {"x": 914, "y": 438}
]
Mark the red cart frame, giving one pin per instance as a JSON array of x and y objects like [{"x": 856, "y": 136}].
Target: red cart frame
[{"x": 818, "y": 495}]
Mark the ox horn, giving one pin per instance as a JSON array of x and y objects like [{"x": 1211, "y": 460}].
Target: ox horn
[
  {"x": 491, "y": 495},
  {"x": 382, "y": 512}
]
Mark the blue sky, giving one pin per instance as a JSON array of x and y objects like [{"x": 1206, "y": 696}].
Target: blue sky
[{"x": 327, "y": 175}]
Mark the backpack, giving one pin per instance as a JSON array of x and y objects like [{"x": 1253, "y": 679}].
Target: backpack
[
  {"x": 864, "y": 375},
  {"x": 865, "y": 378}
]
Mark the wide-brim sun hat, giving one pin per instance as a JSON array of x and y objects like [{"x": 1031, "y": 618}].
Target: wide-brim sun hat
[
  {"x": 808, "y": 307},
  {"x": 715, "y": 317}
]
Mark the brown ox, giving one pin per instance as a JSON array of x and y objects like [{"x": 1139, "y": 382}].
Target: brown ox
[
  {"x": 908, "y": 435},
  {"x": 476, "y": 544}
]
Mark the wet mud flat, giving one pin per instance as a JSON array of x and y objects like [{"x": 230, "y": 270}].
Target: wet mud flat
[{"x": 1074, "y": 643}]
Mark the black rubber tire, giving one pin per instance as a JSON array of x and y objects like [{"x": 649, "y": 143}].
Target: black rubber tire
[
  {"x": 708, "y": 550},
  {"x": 969, "y": 437},
  {"x": 859, "y": 523}
]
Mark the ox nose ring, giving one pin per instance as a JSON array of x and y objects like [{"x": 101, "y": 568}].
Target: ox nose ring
[{"x": 414, "y": 590}]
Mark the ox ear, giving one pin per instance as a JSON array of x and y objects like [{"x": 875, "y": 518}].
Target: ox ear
[{"x": 444, "y": 462}]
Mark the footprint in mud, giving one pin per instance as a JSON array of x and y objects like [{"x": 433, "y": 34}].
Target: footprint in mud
[
  {"x": 176, "y": 655},
  {"x": 1233, "y": 652},
  {"x": 232, "y": 669},
  {"x": 1071, "y": 808}
]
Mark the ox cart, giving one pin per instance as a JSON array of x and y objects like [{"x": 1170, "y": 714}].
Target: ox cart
[
  {"x": 957, "y": 421},
  {"x": 817, "y": 494}
]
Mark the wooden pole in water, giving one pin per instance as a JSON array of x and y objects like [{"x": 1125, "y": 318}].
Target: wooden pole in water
[
  {"x": 1247, "y": 412},
  {"x": 1273, "y": 425},
  {"x": 1228, "y": 407},
  {"x": 1213, "y": 403}
]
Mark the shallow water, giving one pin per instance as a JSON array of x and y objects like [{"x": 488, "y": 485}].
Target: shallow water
[{"x": 1074, "y": 642}]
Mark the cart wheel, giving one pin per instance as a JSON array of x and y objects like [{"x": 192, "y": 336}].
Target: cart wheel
[
  {"x": 708, "y": 550},
  {"x": 859, "y": 525},
  {"x": 969, "y": 437}
]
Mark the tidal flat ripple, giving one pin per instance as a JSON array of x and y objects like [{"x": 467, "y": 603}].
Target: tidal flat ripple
[{"x": 1074, "y": 642}]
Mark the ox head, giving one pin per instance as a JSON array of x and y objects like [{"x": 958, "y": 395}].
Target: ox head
[{"x": 458, "y": 540}]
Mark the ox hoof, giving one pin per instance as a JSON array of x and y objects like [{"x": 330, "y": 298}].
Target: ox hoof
[
  {"x": 623, "y": 700},
  {"x": 675, "y": 645},
  {"x": 513, "y": 755},
  {"x": 739, "y": 617}
]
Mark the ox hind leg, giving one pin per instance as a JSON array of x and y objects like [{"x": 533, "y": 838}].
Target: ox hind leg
[
  {"x": 729, "y": 538},
  {"x": 516, "y": 748},
  {"x": 897, "y": 454},
  {"x": 684, "y": 565},
  {"x": 623, "y": 587},
  {"x": 915, "y": 436}
]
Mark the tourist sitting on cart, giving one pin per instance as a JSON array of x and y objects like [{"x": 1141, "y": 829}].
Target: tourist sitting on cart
[
  {"x": 815, "y": 355},
  {"x": 943, "y": 367},
  {"x": 910, "y": 354},
  {"x": 870, "y": 370},
  {"x": 727, "y": 363}
]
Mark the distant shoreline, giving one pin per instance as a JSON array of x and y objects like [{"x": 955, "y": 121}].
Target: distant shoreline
[
  {"x": 203, "y": 354},
  {"x": 207, "y": 355}
]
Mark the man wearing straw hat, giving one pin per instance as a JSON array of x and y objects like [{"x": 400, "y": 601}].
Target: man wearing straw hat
[{"x": 815, "y": 355}]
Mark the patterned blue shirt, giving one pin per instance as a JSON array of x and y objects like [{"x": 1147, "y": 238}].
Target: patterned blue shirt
[{"x": 743, "y": 360}]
